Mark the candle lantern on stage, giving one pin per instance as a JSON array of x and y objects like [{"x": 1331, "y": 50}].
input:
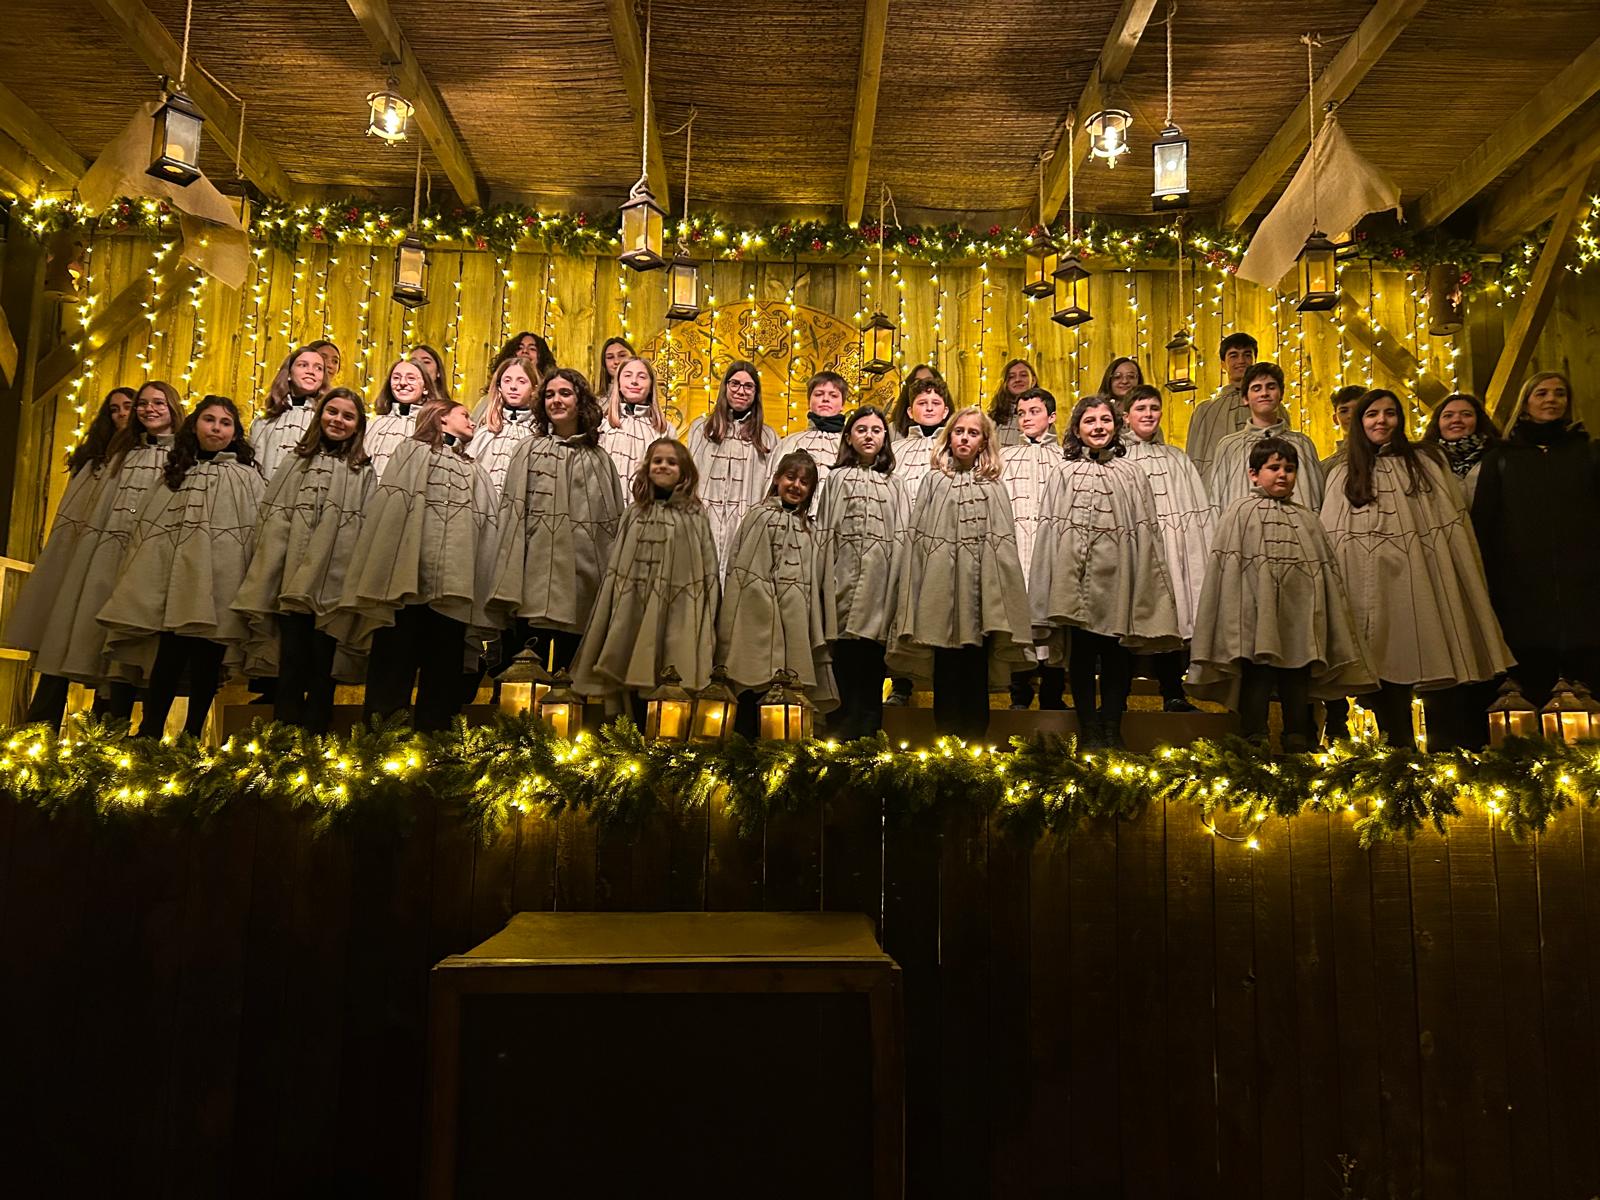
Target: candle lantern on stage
[
  {"x": 667, "y": 709},
  {"x": 1511, "y": 715},
  {"x": 562, "y": 708},
  {"x": 524, "y": 682},
  {"x": 1566, "y": 718},
  {"x": 785, "y": 711},
  {"x": 175, "y": 142},
  {"x": 1180, "y": 363},
  {"x": 714, "y": 708}
]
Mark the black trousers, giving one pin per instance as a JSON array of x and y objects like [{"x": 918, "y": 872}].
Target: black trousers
[
  {"x": 1391, "y": 708},
  {"x": 422, "y": 647},
  {"x": 304, "y": 693},
  {"x": 1169, "y": 668},
  {"x": 175, "y": 655},
  {"x": 858, "y": 675},
  {"x": 1095, "y": 654},
  {"x": 961, "y": 691},
  {"x": 1336, "y": 724},
  {"x": 1293, "y": 685},
  {"x": 1052, "y": 683},
  {"x": 49, "y": 703}
]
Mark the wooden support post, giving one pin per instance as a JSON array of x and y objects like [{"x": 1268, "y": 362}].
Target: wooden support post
[
  {"x": 1535, "y": 304},
  {"x": 24, "y": 428},
  {"x": 868, "y": 75},
  {"x": 1428, "y": 388}
]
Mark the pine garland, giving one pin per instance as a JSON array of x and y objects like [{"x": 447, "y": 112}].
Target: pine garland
[
  {"x": 1037, "y": 786},
  {"x": 503, "y": 228}
]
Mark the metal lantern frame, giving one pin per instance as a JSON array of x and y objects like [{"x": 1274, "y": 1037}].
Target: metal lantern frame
[
  {"x": 786, "y": 713},
  {"x": 524, "y": 682},
  {"x": 1169, "y": 166},
  {"x": 1072, "y": 293},
  {"x": 561, "y": 708},
  {"x": 411, "y": 272},
  {"x": 643, "y": 230},
  {"x": 1511, "y": 715},
  {"x": 668, "y": 709},
  {"x": 1319, "y": 275},
  {"x": 715, "y": 707},
  {"x": 1041, "y": 258},
  {"x": 175, "y": 140},
  {"x": 1180, "y": 362},
  {"x": 389, "y": 114},
  {"x": 1565, "y": 718},
  {"x": 1108, "y": 134},
  {"x": 877, "y": 345},
  {"x": 683, "y": 288}
]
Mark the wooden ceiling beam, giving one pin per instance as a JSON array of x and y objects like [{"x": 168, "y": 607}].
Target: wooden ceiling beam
[
  {"x": 1115, "y": 54},
  {"x": 1535, "y": 303},
  {"x": 1528, "y": 126},
  {"x": 1359, "y": 54},
  {"x": 378, "y": 22},
  {"x": 38, "y": 137},
  {"x": 149, "y": 39},
  {"x": 20, "y": 173},
  {"x": 869, "y": 74},
  {"x": 630, "y": 58},
  {"x": 120, "y": 316},
  {"x": 1533, "y": 193}
]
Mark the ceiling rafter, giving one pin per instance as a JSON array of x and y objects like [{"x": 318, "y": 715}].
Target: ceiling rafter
[
  {"x": 38, "y": 137},
  {"x": 1533, "y": 193},
  {"x": 869, "y": 74}
]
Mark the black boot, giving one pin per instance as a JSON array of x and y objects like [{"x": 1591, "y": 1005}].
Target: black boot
[
  {"x": 1091, "y": 732},
  {"x": 1111, "y": 731}
]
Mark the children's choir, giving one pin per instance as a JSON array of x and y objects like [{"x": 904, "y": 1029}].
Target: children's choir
[{"x": 979, "y": 549}]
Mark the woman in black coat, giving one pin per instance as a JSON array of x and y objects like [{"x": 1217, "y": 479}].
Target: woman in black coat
[{"x": 1537, "y": 514}]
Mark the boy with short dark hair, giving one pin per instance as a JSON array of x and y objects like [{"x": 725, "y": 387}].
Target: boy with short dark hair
[
  {"x": 1224, "y": 413},
  {"x": 1274, "y": 614},
  {"x": 1229, "y": 477}
]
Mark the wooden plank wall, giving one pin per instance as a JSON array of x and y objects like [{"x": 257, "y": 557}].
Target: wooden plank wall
[
  {"x": 968, "y": 319},
  {"x": 1149, "y": 1010}
]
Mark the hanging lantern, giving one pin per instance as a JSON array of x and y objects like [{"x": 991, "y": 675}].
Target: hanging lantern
[
  {"x": 642, "y": 230},
  {"x": 1319, "y": 282},
  {"x": 411, "y": 272},
  {"x": 683, "y": 289},
  {"x": 877, "y": 345},
  {"x": 1170, "y": 159},
  {"x": 667, "y": 709},
  {"x": 524, "y": 683},
  {"x": 1072, "y": 293},
  {"x": 1108, "y": 134},
  {"x": 1042, "y": 259},
  {"x": 175, "y": 143},
  {"x": 714, "y": 708},
  {"x": 1180, "y": 363},
  {"x": 1511, "y": 716},
  {"x": 1565, "y": 718},
  {"x": 1444, "y": 300},
  {"x": 785, "y": 711},
  {"x": 389, "y": 114},
  {"x": 562, "y": 708},
  {"x": 65, "y": 269}
]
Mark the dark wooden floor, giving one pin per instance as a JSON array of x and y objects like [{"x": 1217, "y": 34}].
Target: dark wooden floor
[{"x": 240, "y": 1009}]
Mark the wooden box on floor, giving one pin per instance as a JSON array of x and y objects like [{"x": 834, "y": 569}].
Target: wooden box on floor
[{"x": 691, "y": 1054}]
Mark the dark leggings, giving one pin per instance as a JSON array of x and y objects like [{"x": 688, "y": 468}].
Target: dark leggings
[
  {"x": 49, "y": 703},
  {"x": 858, "y": 674},
  {"x": 961, "y": 691},
  {"x": 1052, "y": 687},
  {"x": 202, "y": 659},
  {"x": 1169, "y": 668},
  {"x": 1391, "y": 708},
  {"x": 1256, "y": 685},
  {"x": 422, "y": 647},
  {"x": 304, "y": 693},
  {"x": 1095, "y": 654}
]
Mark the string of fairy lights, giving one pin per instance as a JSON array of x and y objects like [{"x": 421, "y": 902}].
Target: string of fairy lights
[{"x": 322, "y": 289}]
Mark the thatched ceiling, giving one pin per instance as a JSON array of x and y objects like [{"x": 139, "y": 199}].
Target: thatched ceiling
[{"x": 971, "y": 91}]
